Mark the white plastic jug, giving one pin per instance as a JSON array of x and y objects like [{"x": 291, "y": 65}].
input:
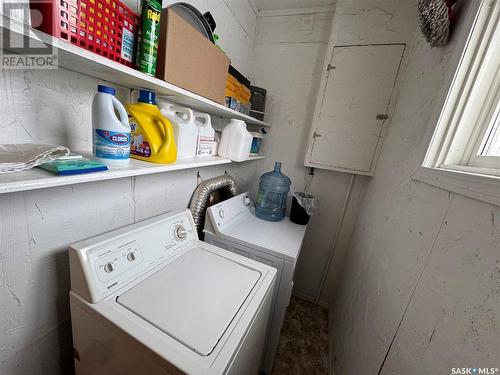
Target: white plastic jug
[
  {"x": 111, "y": 135},
  {"x": 206, "y": 145},
  {"x": 236, "y": 141},
  {"x": 185, "y": 130}
]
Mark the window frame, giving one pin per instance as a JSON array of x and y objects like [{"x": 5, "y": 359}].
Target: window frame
[
  {"x": 451, "y": 161},
  {"x": 486, "y": 137}
]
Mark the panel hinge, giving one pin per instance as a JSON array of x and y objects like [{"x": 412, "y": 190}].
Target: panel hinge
[
  {"x": 330, "y": 67},
  {"x": 316, "y": 135},
  {"x": 382, "y": 116}
]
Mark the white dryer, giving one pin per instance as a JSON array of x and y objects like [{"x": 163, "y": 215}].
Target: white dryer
[
  {"x": 152, "y": 299},
  {"x": 232, "y": 225}
]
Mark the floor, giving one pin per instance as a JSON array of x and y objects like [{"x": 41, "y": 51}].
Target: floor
[{"x": 303, "y": 346}]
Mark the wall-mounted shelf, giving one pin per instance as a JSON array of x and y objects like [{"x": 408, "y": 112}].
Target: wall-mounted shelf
[
  {"x": 37, "y": 178},
  {"x": 77, "y": 59}
]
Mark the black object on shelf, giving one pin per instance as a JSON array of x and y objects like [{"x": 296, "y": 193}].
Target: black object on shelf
[
  {"x": 258, "y": 102},
  {"x": 240, "y": 77},
  {"x": 210, "y": 20}
]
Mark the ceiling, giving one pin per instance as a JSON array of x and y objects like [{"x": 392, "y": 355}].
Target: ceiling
[{"x": 290, "y": 4}]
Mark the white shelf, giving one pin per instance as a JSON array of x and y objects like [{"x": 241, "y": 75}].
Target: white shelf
[
  {"x": 37, "y": 178},
  {"x": 77, "y": 59}
]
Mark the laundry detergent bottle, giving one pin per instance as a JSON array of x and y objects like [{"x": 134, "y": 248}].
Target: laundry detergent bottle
[
  {"x": 152, "y": 133},
  {"x": 111, "y": 134},
  {"x": 185, "y": 130}
]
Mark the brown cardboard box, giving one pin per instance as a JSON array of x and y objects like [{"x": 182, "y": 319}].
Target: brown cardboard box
[{"x": 189, "y": 60}]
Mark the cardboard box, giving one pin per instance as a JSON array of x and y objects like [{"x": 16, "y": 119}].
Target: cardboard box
[{"x": 189, "y": 60}]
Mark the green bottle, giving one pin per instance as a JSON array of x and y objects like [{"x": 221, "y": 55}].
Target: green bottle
[{"x": 148, "y": 37}]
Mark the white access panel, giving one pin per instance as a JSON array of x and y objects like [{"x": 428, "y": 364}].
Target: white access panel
[
  {"x": 352, "y": 109},
  {"x": 193, "y": 299}
]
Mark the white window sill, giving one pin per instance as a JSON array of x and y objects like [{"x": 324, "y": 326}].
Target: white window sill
[{"x": 470, "y": 183}]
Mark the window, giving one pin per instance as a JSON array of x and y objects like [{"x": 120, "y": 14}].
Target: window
[{"x": 466, "y": 143}]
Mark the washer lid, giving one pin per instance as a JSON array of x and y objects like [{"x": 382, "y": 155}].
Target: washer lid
[{"x": 193, "y": 299}]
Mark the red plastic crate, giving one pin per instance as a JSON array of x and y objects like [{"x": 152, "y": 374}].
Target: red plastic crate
[{"x": 99, "y": 26}]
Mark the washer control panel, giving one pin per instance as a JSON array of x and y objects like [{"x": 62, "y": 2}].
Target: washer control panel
[
  {"x": 111, "y": 262},
  {"x": 114, "y": 259},
  {"x": 223, "y": 213}
]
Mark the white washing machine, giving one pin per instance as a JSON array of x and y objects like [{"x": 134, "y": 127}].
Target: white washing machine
[
  {"x": 152, "y": 299},
  {"x": 232, "y": 225}
]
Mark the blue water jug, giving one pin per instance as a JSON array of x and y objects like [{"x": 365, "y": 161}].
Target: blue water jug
[{"x": 273, "y": 191}]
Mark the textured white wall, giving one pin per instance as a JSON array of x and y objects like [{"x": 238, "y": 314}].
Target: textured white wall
[
  {"x": 36, "y": 227},
  {"x": 290, "y": 52},
  {"x": 364, "y": 22},
  {"x": 421, "y": 284}
]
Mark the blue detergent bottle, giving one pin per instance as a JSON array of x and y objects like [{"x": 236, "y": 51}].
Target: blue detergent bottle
[{"x": 273, "y": 191}]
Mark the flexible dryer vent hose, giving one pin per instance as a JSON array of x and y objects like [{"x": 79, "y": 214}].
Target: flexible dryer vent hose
[{"x": 201, "y": 195}]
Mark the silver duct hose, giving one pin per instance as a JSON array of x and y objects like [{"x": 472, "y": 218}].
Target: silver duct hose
[{"x": 201, "y": 195}]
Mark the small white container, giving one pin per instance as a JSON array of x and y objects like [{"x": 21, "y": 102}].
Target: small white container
[
  {"x": 111, "y": 134},
  {"x": 185, "y": 129},
  {"x": 236, "y": 141},
  {"x": 206, "y": 145}
]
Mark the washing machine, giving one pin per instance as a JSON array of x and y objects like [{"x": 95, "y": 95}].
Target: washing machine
[
  {"x": 151, "y": 298},
  {"x": 232, "y": 225}
]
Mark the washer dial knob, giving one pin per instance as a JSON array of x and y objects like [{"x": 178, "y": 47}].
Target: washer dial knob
[
  {"x": 131, "y": 257},
  {"x": 180, "y": 233},
  {"x": 109, "y": 267},
  {"x": 246, "y": 200}
]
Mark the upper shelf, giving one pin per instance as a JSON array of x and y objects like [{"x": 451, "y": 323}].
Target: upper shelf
[
  {"x": 77, "y": 59},
  {"x": 37, "y": 178}
]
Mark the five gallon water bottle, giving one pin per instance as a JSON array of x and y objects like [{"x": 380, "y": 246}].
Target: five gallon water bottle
[{"x": 273, "y": 191}]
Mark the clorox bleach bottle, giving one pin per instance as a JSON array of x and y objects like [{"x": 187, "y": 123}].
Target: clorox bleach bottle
[
  {"x": 111, "y": 135},
  {"x": 152, "y": 133},
  {"x": 206, "y": 145},
  {"x": 185, "y": 130}
]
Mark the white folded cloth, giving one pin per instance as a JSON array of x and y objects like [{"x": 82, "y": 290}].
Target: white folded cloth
[{"x": 21, "y": 156}]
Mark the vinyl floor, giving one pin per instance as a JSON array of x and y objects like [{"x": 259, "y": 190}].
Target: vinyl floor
[{"x": 303, "y": 346}]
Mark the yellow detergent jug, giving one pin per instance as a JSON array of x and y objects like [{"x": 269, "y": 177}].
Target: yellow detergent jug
[{"x": 152, "y": 135}]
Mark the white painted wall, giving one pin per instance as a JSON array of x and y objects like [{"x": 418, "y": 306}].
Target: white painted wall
[
  {"x": 421, "y": 282},
  {"x": 364, "y": 22},
  {"x": 290, "y": 52},
  {"x": 289, "y": 55},
  {"x": 36, "y": 227}
]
